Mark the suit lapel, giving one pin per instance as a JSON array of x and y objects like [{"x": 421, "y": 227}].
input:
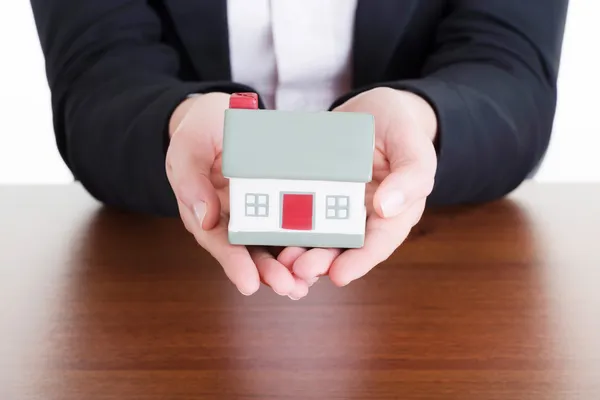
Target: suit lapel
[
  {"x": 202, "y": 26},
  {"x": 377, "y": 29}
]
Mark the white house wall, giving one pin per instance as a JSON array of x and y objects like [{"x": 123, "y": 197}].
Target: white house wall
[{"x": 273, "y": 188}]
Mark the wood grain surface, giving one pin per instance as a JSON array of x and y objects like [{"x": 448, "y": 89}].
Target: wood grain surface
[{"x": 498, "y": 301}]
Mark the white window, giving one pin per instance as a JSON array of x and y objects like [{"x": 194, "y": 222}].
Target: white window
[
  {"x": 338, "y": 207},
  {"x": 257, "y": 205}
]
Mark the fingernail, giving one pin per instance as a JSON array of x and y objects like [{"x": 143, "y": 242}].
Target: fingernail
[
  {"x": 200, "y": 211},
  {"x": 242, "y": 292},
  {"x": 345, "y": 283},
  {"x": 346, "y": 280},
  {"x": 294, "y": 298},
  {"x": 392, "y": 204},
  {"x": 313, "y": 281}
]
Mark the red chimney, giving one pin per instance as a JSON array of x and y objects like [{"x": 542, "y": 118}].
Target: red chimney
[{"x": 244, "y": 100}]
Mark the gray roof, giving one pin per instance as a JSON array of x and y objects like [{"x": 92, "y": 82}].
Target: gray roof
[{"x": 268, "y": 144}]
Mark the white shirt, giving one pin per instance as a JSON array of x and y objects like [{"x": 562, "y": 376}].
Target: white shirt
[{"x": 295, "y": 53}]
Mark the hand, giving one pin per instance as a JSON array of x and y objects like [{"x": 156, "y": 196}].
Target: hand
[
  {"x": 404, "y": 168},
  {"x": 193, "y": 165}
]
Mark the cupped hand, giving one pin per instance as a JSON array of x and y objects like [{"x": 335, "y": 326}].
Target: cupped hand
[
  {"x": 193, "y": 165},
  {"x": 404, "y": 168}
]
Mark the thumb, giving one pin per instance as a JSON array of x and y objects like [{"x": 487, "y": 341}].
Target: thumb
[
  {"x": 193, "y": 188},
  {"x": 189, "y": 163},
  {"x": 192, "y": 153},
  {"x": 401, "y": 188}
]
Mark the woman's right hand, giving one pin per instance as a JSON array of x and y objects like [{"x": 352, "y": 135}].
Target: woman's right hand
[{"x": 193, "y": 166}]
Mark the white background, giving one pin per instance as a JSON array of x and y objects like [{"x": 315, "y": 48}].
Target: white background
[{"x": 28, "y": 152}]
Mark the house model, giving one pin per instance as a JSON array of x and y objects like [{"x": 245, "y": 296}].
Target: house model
[{"x": 296, "y": 178}]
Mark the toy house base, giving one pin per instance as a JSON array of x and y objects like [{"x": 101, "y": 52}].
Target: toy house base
[
  {"x": 296, "y": 213},
  {"x": 297, "y": 239}
]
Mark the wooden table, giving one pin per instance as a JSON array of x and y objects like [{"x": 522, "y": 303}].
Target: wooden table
[{"x": 500, "y": 301}]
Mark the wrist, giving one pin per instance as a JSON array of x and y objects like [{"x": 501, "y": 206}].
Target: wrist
[
  {"x": 424, "y": 114},
  {"x": 179, "y": 114},
  {"x": 185, "y": 108}
]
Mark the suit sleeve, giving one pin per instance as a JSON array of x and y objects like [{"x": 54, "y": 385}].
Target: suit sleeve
[
  {"x": 114, "y": 86},
  {"x": 491, "y": 79}
]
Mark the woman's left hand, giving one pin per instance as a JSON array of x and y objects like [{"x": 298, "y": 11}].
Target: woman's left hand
[{"x": 404, "y": 167}]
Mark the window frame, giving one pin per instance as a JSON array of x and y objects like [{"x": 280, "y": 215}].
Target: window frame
[
  {"x": 256, "y": 205},
  {"x": 336, "y": 207}
]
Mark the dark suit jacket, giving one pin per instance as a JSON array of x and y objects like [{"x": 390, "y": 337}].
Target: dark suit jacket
[{"x": 118, "y": 68}]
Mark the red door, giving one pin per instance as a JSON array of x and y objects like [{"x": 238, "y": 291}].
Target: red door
[{"x": 297, "y": 212}]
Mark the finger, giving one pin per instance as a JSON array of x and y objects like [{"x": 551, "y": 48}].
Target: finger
[
  {"x": 289, "y": 255},
  {"x": 272, "y": 272},
  {"x": 300, "y": 289},
  {"x": 382, "y": 238},
  {"x": 235, "y": 260},
  {"x": 314, "y": 263}
]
